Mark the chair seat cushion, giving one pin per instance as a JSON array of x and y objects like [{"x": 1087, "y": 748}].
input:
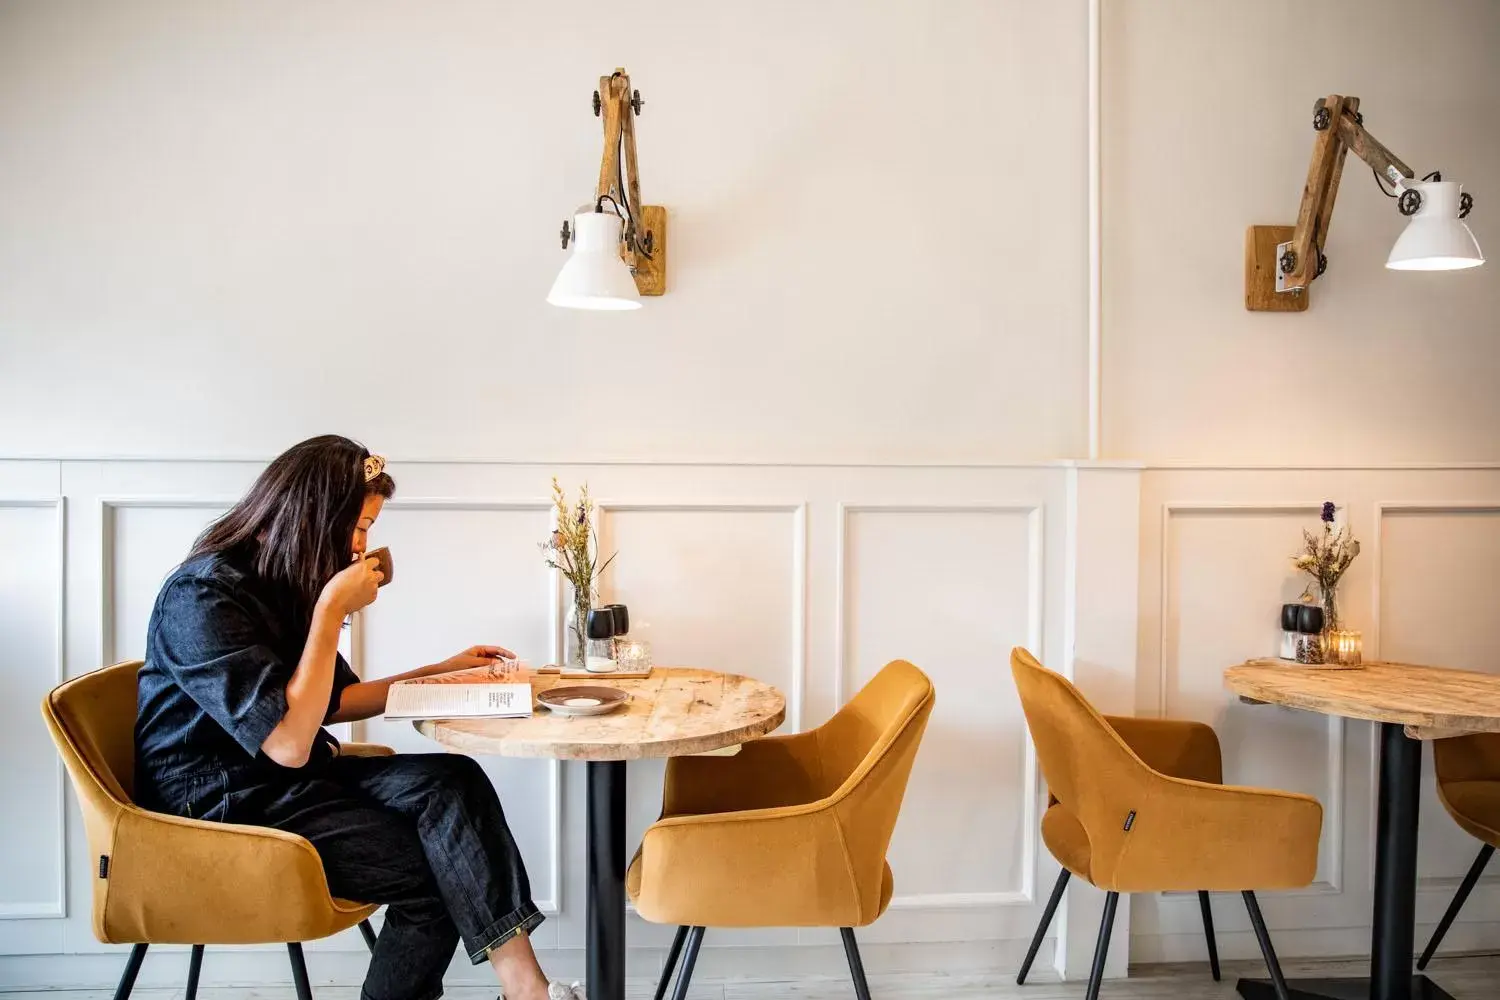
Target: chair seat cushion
[
  {"x": 1474, "y": 806},
  {"x": 633, "y": 886},
  {"x": 1067, "y": 840}
]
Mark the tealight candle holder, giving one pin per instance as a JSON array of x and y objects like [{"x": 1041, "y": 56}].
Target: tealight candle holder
[
  {"x": 1344, "y": 647},
  {"x": 633, "y": 654}
]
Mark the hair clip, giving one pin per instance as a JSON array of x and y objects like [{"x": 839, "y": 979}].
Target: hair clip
[{"x": 374, "y": 466}]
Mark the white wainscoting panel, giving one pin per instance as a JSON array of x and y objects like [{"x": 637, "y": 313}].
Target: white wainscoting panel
[
  {"x": 1211, "y": 620},
  {"x": 1437, "y": 570},
  {"x": 33, "y": 877},
  {"x": 467, "y": 572},
  {"x": 953, "y": 589},
  {"x": 144, "y": 539},
  {"x": 1215, "y": 565}
]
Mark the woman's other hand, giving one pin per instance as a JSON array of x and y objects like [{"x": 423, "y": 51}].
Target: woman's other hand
[
  {"x": 475, "y": 656},
  {"x": 353, "y": 587}
]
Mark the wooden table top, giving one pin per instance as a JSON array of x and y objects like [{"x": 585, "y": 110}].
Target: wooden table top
[
  {"x": 1431, "y": 702},
  {"x": 675, "y": 712}
]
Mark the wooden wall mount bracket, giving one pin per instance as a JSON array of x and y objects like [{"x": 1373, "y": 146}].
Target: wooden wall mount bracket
[
  {"x": 619, "y": 178},
  {"x": 1261, "y": 261},
  {"x": 1342, "y": 132}
]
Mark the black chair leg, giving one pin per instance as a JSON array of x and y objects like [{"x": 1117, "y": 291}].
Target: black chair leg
[
  {"x": 1278, "y": 983},
  {"x": 195, "y": 963},
  {"x": 1208, "y": 932},
  {"x": 856, "y": 967},
  {"x": 671, "y": 966},
  {"x": 1475, "y": 870},
  {"x": 1041, "y": 928},
  {"x": 132, "y": 969},
  {"x": 299, "y": 971},
  {"x": 368, "y": 933},
  {"x": 1101, "y": 948},
  {"x": 689, "y": 959}
]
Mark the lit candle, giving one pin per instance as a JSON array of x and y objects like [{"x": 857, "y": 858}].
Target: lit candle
[
  {"x": 633, "y": 654},
  {"x": 1344, "y": 647}
]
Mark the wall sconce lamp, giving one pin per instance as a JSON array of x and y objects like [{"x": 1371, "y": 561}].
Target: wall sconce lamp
[
  {"x": 1282, "y": 261},
  {"x": 619, "y": 252}
]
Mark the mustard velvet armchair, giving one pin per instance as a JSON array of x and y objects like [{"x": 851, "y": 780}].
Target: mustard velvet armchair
[
  {"x": 790, "y": 832},
  {"x": 1174, "y": 747},
  {"x": 1468, "y": 785},
  {"x": 1123, "y": 821},
  {"x": 161, "y": 879}
]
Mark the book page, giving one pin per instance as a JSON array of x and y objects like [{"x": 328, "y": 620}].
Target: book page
[{"x": 452, "y": 697}]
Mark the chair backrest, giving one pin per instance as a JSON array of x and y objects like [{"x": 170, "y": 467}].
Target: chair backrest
[
  {"x": 1089, "y": 769},
  {"x": 866, "y": 751},
  {"x": 1475, "y": 757},
  {"x": 92, "y": 721}
]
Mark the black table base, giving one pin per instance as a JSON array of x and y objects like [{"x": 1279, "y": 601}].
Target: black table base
[
  {"x": 1421, "y": 988},
  {"x": 1391, "y": 940},
  {"x": 605, "y": 964}
]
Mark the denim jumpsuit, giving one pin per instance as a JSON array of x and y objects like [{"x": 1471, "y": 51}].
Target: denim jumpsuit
[{"x": 421, "y": 833}]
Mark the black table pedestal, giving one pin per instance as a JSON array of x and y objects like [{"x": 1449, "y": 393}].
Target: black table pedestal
[
  {"x": 1391, "y": 947},
  {"x": 605, "y": 963}
]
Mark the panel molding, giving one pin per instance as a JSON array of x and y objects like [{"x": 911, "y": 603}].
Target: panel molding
[
  {"x": 1035, "y": 598},
  {"x": 798, "y": 510},
  {"x": 1444, "y": 884},
  {"x": 55, "y": 908},
  {"x": 107, "y": 507},
  {"x": 1335, "y": 760},
  {"x": 551, "y": 906}
]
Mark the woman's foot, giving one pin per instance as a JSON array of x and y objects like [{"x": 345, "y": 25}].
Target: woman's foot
[{"x": 557, "y": 991}]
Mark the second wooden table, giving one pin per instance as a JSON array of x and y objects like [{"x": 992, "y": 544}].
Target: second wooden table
[{"x": 1411, "y": 703}]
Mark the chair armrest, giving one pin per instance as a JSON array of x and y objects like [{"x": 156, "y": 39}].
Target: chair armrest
[
  {"x": 365, "y": 750},
  {"x": 183, "y": 881},
  {"x": 1191, "y": 835},
  {"x": 767, "y": 773},
  {"x": 777, "y": 867},
  {"x": 1176, "y": 748}
]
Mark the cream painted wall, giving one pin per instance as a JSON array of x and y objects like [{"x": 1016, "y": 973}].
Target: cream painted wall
[
  {"x": 302, "y": 208},
  {"x": 1207, "y": 110},
  {"x": 254, "y": 220}
]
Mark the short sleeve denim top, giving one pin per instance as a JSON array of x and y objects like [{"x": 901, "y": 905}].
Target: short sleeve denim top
[{"x": 220, "y": 649}]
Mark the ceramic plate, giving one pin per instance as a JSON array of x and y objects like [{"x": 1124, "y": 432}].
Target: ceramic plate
[{"x": 582, "y": 699}]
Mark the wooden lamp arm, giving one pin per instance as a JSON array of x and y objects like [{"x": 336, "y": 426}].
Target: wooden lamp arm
[
  {"x": 1340, "y": 130},
  {"x": 644, "y": 245}
]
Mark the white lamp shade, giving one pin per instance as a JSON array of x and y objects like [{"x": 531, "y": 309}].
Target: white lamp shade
[
  {"x": 594, "y": 276},
  {"x": 1435, "y": 239}
]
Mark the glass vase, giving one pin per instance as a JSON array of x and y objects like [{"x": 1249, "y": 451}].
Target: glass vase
[
  {"x": 1330, "y": 602},
  {"x": 575, "y": 655}
]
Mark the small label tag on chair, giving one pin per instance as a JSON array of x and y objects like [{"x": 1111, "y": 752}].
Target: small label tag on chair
[
  {"x": 104, "y": 866},
  {"x": 1130, "y": 821}
]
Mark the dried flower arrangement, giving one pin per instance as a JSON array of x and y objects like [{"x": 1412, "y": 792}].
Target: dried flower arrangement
[
  {"x": 1325, "y": 556},
  {"x": 573, "y": 549}
]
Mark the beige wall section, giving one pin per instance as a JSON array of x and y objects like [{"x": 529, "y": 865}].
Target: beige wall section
[
  {"x": 250, "y": 217},
  {"x": 1207, "y": 113}
]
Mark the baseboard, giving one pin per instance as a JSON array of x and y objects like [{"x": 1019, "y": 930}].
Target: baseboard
[
  {"x": 167, "y": 967},
  {"x": 1153, "y": 949}
]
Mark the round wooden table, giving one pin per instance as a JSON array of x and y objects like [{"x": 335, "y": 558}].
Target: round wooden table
[
  {"x": 673, "y": 713},
  {"x": 1411, "y": 703}
]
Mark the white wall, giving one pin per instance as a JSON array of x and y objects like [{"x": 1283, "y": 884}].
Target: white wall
[
  {"x": 225, "y": 227},
  {"x": 292, "y": 204},
  {"x": 1207, "y": 110}
]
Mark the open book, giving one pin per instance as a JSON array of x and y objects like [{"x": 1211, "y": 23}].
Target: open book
[{"x": 481, "y": 693}]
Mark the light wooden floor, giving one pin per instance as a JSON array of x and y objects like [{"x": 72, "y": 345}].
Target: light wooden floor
[{"x": 1476, "y": 978}]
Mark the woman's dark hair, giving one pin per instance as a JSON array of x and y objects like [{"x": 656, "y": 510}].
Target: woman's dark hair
[{"x": 297, "y": 522}]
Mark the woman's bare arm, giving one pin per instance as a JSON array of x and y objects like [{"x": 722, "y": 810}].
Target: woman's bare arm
[{"x": 367, "y": 698}]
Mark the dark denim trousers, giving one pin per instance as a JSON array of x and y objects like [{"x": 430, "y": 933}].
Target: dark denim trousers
[{"x": 423, "y": 834}]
